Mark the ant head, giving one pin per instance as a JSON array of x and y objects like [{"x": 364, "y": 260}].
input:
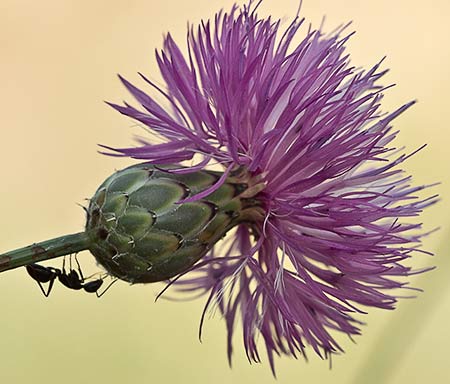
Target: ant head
[{"x": 93, "y": 286}]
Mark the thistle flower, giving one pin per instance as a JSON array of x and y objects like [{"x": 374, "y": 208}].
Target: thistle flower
[{"x": 310, "y": 200}]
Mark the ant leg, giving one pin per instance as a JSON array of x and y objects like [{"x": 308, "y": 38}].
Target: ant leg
[
  {"x": 50, "y": 286},
  {"x": 42, "y": 288},
  {"x": 64, "y": 265},
  {"x": 79, "y": 268},
  {"x": 109, "y": 286}
]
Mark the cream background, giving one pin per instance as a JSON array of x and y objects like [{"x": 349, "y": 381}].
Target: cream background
[{"x": 58, "y": 61}]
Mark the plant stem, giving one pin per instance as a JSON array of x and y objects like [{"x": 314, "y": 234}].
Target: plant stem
[{"x": 44, "y": 250}]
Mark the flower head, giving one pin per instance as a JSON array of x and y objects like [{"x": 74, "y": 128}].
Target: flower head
[{"x": 304, "y": 130}]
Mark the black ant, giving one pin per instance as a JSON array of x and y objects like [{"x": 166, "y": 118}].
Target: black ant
[{"x": 71, "y": 279}]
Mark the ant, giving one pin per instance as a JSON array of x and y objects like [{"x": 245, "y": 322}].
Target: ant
[{"x": 71, "y": 279}]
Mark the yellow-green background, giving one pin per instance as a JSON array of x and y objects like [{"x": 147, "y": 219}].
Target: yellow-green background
[{"x": 58, "y": 60}]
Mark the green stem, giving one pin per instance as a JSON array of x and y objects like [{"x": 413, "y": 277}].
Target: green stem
[{"x": 44, "y": 250}]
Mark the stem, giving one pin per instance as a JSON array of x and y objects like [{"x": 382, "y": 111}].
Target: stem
[{"x": 44, "y": 250}]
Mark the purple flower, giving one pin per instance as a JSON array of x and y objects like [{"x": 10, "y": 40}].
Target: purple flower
[{"x": 306, "y": 129}]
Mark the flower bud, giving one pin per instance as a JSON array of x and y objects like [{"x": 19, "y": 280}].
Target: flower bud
[{"x": 141, "y": 232}]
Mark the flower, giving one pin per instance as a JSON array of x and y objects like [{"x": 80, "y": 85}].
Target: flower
[{"x": 304, "y": 129}]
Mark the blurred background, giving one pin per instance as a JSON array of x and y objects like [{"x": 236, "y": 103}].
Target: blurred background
[{"x": 58, "y": 62}]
